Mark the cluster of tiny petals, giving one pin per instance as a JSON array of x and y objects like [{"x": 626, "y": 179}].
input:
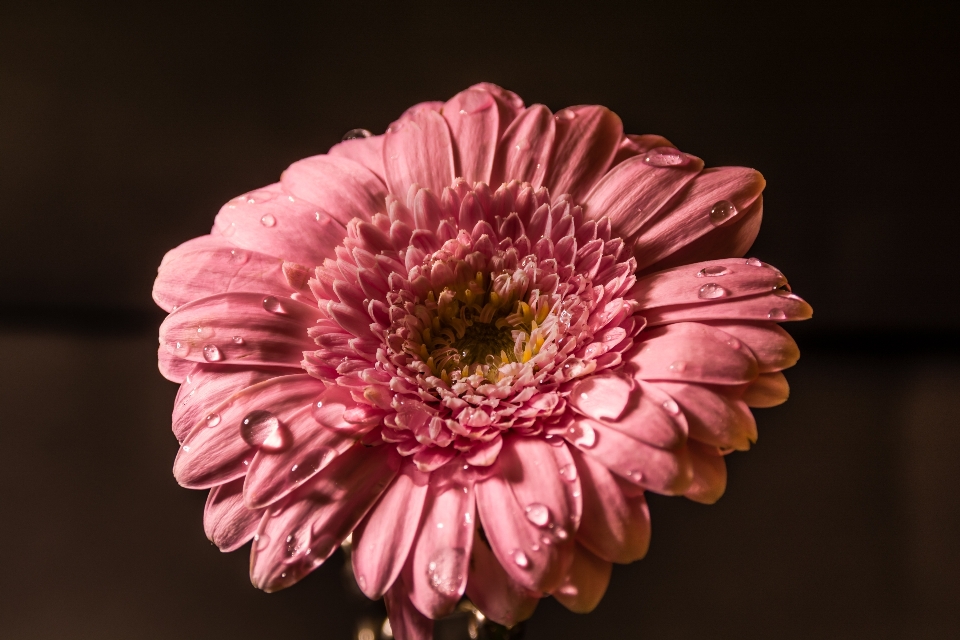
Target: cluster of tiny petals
[{"x": 453, "y": 319}]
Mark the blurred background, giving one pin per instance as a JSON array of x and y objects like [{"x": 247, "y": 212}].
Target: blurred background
[{"x": 124, "y": 127}]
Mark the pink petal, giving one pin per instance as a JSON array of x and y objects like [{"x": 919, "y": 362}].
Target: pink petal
[
  {"x": 240, "y": 329},
  {"x": 474, "y": 121},
  {"x": 634, "y": 190},
  {"x": 341, "y": 188},
  {"x": 275, "y": 473},
  {"x": 615, "y": 525},
  {"x": 228, "y": 523},
  {"x": 773, "y": 347},
  {"x": 418, "y": 150},
  {"x": 439, "y": 562},
  {"x": 216, "y": 454},
  {"x": 692, "y": 352},
  {"x": 296, "y": 538},
  {"x": 526, "y": 514},
  {"x": 208, "y": 385},
  {"x": 509, "y": 103},
  {"x": 709, "y": 474},
  {"x": 660, "y": 470},
  {"x": 775, "y": 307},
  {"x": 652, "y": 418},
  {"x": 524, "y": 150},
  {"x": 603, "y": 396},
  {"x": 584, "y": 586},
  {"x": 688, "y": 216},
  {"x": 172, "y": 367},
  {"x": 382, "y": 541},
  {"x": 405, "y": 621},
  {"x": 733, "y": 239},
  {"x": 584, "y": 148},
  {"x": 277, "y": 224},
  {"x": 768, "y": 390},
  {"x": 365, "y": 151},
  {"x": 705, "y": 282},
  {"x": 208, "y": 265},
  {"x": 494, "y": 593},
  {"x": 716, "y": 416}
]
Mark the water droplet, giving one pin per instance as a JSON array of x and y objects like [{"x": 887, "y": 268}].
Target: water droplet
[
  {"x": 204, "y": 332},
  {"x": 711, "y": 290},
  {"x": 635, "y": 475},
  {"x": 181, "y": 349},
  {"x": 259, "y": 197},
  {"x": 569, "y": 590},
  {"x": 733, "y": 343},
  {"x": 665, "y": 157},
  {"x": 268, "y": 220},
  {"x": 783, "y": 291},
  {"x": 258, "y": 427},
  {"x": 316, "y": 460},
  {"x": 521, "y": 559},
  {"x": 671, "y": 406},
  {"x": 296, "y": 543},
  {"x": 721, "y": 212},
  {"x": 211, "y": 353},
  {"x": 562, "y": 534},
  {"x": 261, "y": 541},
  {"x": 362, "y": 582},
  {"x": 273, "y": 305},
  {"x": 678, "y": 367},
  {"x": 569, "y": 472},
  {"x": 753, "y": 262},
  {"x": 239, "y": 256},
  {"x": 715, "y": 271},
  {"x": 213, "y": 419},
  {"x": 538, "y": 514},
  {"x": 237, "y": 340},
  {"x": 777, "y": 314},
  {"x": 582, "y": 435},
  {"x": 353, "y": 134},
  {"x": 445, "y": 571},
  {"x": 565, "y": 115},
  {"x": 186, "y": 448}
]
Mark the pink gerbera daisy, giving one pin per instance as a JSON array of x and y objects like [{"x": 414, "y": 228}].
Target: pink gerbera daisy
[{"x": 473, "y": 342}]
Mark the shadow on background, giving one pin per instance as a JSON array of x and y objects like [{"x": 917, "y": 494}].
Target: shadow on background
[{"x": 122, "y": 130}]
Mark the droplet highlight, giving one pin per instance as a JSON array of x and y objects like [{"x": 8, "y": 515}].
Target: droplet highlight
[
  {"x": 671, "y": 407},
  {"x": 521, "y": 559},
  {"x": 445, "y": 571},
  {"x": 258, "y": 427},
  {"x": 538, "y": 514},
  {"x": 722, "y": 212},
  {"x": 777, "y": 314},
  {"x": 211, "y": 353},
  {"x": 665, "y": 157},
  {"x": 273, "y": 305},
  {"x": 212, "y": 420},
  {"x": 710, "y": 291},
  {"x": 715, "y": 272},
  {"x": 268, "y": 220},
  {"x": 354, "y": 134}
]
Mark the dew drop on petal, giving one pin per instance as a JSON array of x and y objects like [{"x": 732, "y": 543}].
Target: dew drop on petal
[
  {"x": 353, "y": 134},
  {"x": 211, "y": 353},
  {"x": 565, "y": 114},
  {"x": 721, "y": 212},
  {"x": 212, "y": 420},
  {"x": 753, "y": 262},
  {"x": 569, "y": 472},
  {"x": 777, "y": 314},
  {"x": 665, "y": 157},
  {"x": 315, "y": 461},
  {"x": 582, "y": 435},
  {"x": 268, "y": 220},
  {"x": 521, "y": 560},
  {"x": 715, "y": 271},
  {"x": 711, "y": 290},
  {"x": 538, "y": 514},
  {"x": 261, "y": 541},
  {"x": 733, "y": 343},
  {"x": 204, "y": 332},
  {"x": 258, "y": 426},
  {"x": 271, "y": 304},
  {"x": 237, "y": 340},
  {"x": 671, "y": 406},
  {"x": 562, "y": 534},
  {"x": 445, "y": 571},
  {"x": 181, "y": 349},
  {"x": 678, "y": 367},
  {"x": 239, "y": 256}
]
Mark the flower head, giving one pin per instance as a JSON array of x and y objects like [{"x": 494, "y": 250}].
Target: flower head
[{"x": 473, "y": 343}]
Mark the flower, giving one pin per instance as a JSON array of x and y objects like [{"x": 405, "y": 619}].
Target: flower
[{"x": 473, "y": 343}]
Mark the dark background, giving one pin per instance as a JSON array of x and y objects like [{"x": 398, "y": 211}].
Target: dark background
[{"x": 123, "y": 128}]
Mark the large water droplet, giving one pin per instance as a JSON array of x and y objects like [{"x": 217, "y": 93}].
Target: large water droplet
[
  {"x": 671, "y": 406},
  {"x": 211, "y": 353},
  {"x": 568, "y": 472},
  {"x": 721, "y": 212},
  {"x": 711, "y": 290},
  {"x": 565, "y": 115},
  {"x": 258, "y": 427},
  {"x": 271, "y": 304},
  {"x": 538, "y": 514},
  {"x": 353, "y": 134},
  {"x": 678, "y": 366},
  {"x": 268, "y": 220},
  {"x": 715, "y": 271},
  {"x": 213, "y": 419},
  {"x": 239, "y": 256},
  {"x": 753, "y": 262},
  {"x": 521, "y": 559},
  {"x": 445, "y": 571},
  {"x": 181, "y": 349},
  {"x": 777, "y": 314},
  {"x": 582, "y": 435},
  {"x": 665, "y": 157},
  {"x": 204, "y": 332}
]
